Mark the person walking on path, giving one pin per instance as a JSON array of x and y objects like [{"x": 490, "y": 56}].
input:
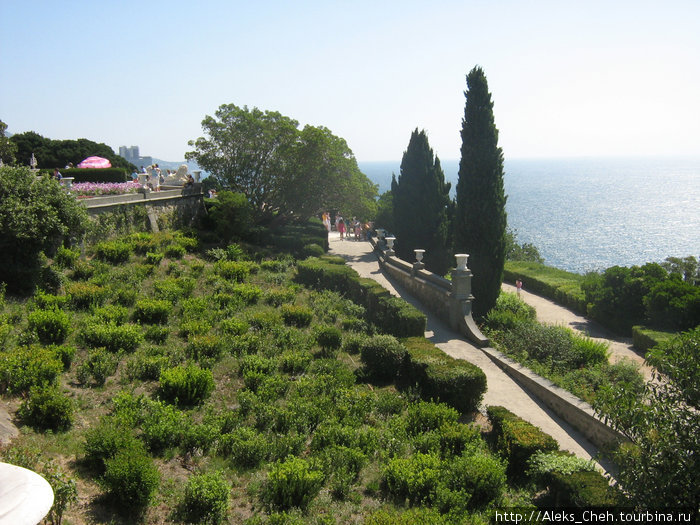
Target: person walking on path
[
  {"x": 341, "y": 228},
  {"x": 518, "y": 286}
]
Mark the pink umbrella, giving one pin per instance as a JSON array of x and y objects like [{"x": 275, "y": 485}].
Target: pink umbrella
[{"x": 95, "y": 162}]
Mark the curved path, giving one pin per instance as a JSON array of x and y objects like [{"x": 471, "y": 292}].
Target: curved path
[
  {"x": 502, "y": 390},
  {"x": 551, "y": 313}
]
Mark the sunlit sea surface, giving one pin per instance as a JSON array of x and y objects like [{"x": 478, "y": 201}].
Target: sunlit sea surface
[{"x": 588, "y": 214}]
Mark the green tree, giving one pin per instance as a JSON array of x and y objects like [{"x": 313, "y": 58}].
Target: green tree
[
  {"x": 36, "y": 216},
  {"x": 480, "y": 217},
  {"x": 384, "y": 218},
  {"x": 521, "y": 252},
  {"x": 8, "y": 149},
  {"x": 421, "y": 199},
  {"x": 660, "y": 467},
  {"x": 285, "y": 173}
]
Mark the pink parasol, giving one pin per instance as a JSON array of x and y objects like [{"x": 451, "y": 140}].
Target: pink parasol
[{"x": 95, "y": 162}]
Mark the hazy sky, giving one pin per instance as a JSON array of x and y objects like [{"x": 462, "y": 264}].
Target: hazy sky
[{"x": 568, "y": 78}]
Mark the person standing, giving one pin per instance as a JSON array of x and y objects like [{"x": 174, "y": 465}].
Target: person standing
[
  {"x": 340, "y": 225},
  {"x": 518, "y": 286}
]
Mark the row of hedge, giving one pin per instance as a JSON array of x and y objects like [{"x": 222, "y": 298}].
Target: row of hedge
[
  {"x": 559, "y": 285},
  {"x": 91, "y": 174},
  {"x": 393, "y": 314},
  {"x": 570, "y": 483},
  {"x": 644, "y": 338}
]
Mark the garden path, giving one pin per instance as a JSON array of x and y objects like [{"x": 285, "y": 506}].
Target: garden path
[
  {"x": 502, "y": 390},
  {"x": 551, "y": 313}
]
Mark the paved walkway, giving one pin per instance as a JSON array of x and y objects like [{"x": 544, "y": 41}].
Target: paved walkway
[
  {"x": 502, "y": 390},
  {"x": 551, "y": 313}
]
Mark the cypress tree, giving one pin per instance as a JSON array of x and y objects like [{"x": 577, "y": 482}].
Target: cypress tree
[
  {"x": 480, "y": 217},
  {"x": 421, "y": 201}
]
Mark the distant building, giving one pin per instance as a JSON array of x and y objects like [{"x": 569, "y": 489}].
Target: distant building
[{"x": 132, "y": 155}]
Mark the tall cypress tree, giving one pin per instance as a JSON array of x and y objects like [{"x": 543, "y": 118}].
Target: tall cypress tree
[
  {"x": 480, "y": 218},
  {"x": 421, "y": 201}
]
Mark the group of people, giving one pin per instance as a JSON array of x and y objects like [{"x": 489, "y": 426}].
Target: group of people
[
  {"x": 155, "y": 177},
  {"x": 346, "y": 227}
]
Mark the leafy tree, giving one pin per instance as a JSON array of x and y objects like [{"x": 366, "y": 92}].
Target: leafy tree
[
  {"x": 660, "y": 468},
  {"x": 521, "y": 252},
  {"x": 36, "y": 216},
  {"x": 58, "y": 153},
  {"x": 285, "y": 173},
  {"x": 384, "y": 217},
  {"x": 421, "y": 199},
  {"x": 7, "y": 147},
  {"x": 687, "y": 268},
  {"x": 480, "y": 218}
]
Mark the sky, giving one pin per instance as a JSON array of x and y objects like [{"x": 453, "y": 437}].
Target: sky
[{"x": 568, "y": 78}]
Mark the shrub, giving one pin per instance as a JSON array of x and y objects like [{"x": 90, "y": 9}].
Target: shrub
[
  {"x": 175, "y": 251},
  {"x": 146, "y": 366},
  {"x": 455, "y": 382},
  {"x": 248, "y": 293},
  {"x": 329, "y": 337},
  {"x": 413, "y": 516},
  {"x": 206, "y": 498},
  {"x": 24, "y": 367},
  {"x": 105, "y": 440},
  {"x": 152, "y": 311},
  {"x": 112, "y": 337},
  {"x": 516, "y": 440},
  {"x": 207, "y": 349},
  {"x": 194, "y": 327},
  {"x": 233, "y": 326},
  {"x": 48, "y": 301},
  {"x": 232, "y": 270},
  {"x": 131, "y": 479},
  {"x": 65, "y": 353},
  {"x": 584, "y": 489},
  {"x": 414, "y": 479},
  {"x": 162, "y": 426},
  {"x": 425, "y": 416},
  {"x": 264, "y": 319},
  {"x": 65, "y": 257},
  {"x": 156, "y": 334},
  {"x": 114, "y": 252},
  {"x": 47, "y": 408},
  {"x": 111, "y": 314},
  {"x": 124, "y": 296},
  {"x": 279, "y": 297},
  {"x": 291, "y": 483},
  {"x": 246, "y": 447},
  {"x": 295, "y": 315},
  {"x": 84, "y": 296},
  {"x": 542, "y": 465},
  {"x": 481, "y": 476},
  {"x": 50, "y": 326},
  {"x": 186, "y": 385},
  {"x": 295, "y": 361},
  {"x": 98, "y": 366},
  {"x": 382, "y": 356},
  {"x": 154, "y": 258},
  {"x": 173, "y": 289},
  {"x": 312, "y": 250}
]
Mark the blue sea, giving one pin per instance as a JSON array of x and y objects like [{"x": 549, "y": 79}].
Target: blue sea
[{"x": 586, "y": 214}]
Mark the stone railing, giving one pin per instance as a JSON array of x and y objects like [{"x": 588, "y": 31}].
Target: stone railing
[{"x": 452, "y": 301}]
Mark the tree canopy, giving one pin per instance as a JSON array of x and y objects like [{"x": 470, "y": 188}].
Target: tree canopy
[
  {"x": 480, "y": 220},
  {"x": 286, "y": 173},
  {"x": 51, "y": 153},
  {"x": 421, "y": 201},
  {"x": 8, "y": 148}
]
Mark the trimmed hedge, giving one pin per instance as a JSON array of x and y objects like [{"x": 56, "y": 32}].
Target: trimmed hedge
[
  {"x": 394, "y": 315},
  {"x": 93, "y": 174},
  {"x": 584, "y": 489},
  {"x": 516, "y": 440},
  {"x": 455, "y": 382},
  {"x": 644, "y": 338},
  {"x": 558, "y": 285}
]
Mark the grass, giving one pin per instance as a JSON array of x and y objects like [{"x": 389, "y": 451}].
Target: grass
[{"x": 558, "y": 285}]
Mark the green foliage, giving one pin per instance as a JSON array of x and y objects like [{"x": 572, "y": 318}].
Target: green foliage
[
  {"x": 421, "y": 206},
  {"x": 84, "y": 296},
  {"x": 426, "y": 416},
  {"x": 296, "y": 315},
  {"x": 382, "y": 356},
  {"x": 36, "y": 216},
  {"x": 233, "y": 270},
  {"x": 246, "y": 447},
  {"x": 131, "y": 479},
  {"x": 111, "y": 314},
  {"x": 328, "y": 337},
  {"x": 231, "y": 216},
  {"x": 414, "y": 479},
  {"x": 480, "y": 216},
  {"x": 112, "y": 337},
  {"x": 206, "y": 349},
  {"x": 206, "y": 498},
  {"x": 585, "y": 489},
  {"x": 24, "y": 367},
  {"x": 679, "y": 359},
  {"x": 515, "y": 251},
  {"x": 516, "y": 440},
  {"x": 673, "y": 304},
  {"x": 105, "y": 440},
  {"x": 152, "y": 311},
  {"x": 99, "y": 365},
  {"x": 412, "y": 516},
  {"x": 174, "y": 289},
  {"x": 558, "y": 285},
  {"x": 291, "y": 483},
  {"x": 186, "y": 385},
  {"x": 115, "y": 252},
  {"x": 542, "y": 465},
  {"x": 50, "y": 326},
  {"x": 47, "y": 408},
  {"x": 65, "y": 257},
  {"x": 480, "y": 476}
]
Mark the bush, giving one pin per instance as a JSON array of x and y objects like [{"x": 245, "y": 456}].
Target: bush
[
  {"x": 455, "y": 382},
  {"x": 382, "y": 356},
  {"x": 291, "y": 483},
  {"x": 312, "y": 250},
  {"x": 426, "y": 416},
  {"x": 27, "y": 366},
  {"x": 248, "y": 293},
  {"x": 114, "y": 252},
  {"x": 152, "y": 311},
  {"x": 206, "y": 498},
  {"x": 542, "y": 465},
  {"x": 112, "y": 337},
  {"x": 174, "y": 289},
  {"x": 516, "y": 440},
  {"x": 186, "y": 385},
  {"x": 246, "y": 447},
  {"x": 105, "y": 440},
  {"x": 232, "y": 270},
  {"x": 584, "y": 489},
  {"x": 295, "y": 315},
  {"x": 231, "y": 215},
  {"x": 50, "y": 326},
  {"x": 480, "y": 475},
  {"x": 329, "y": 338},
  {"x": 414, "y": 479},
  {"x": 85, "y": 296},
  {"x": 131, "y": 479},
  {"x": 98, "y": 366},
  {"x": 65, "y": 257},
  {"x": 206, "y": 349},
  {"x": 156, "y": 334},
  {"x": 47, "y": 408},
  {"x": 233, "y": 326}
]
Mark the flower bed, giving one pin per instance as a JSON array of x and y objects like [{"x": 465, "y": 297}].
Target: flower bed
[{"x": 96, "y": 189}]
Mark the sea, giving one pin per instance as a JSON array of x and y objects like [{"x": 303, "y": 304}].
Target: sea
[{"x": 588, "y": 214}]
